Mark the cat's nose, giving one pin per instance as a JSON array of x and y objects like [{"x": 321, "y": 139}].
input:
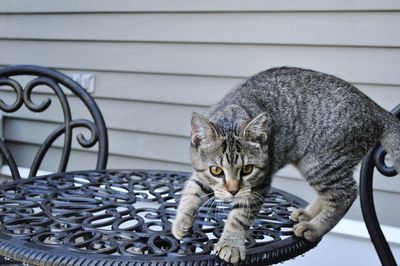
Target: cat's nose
[
  {"x": 233, "y": 191},
  {"x": 233, "y": 187}
]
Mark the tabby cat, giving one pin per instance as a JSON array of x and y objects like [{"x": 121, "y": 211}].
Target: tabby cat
[{"x": 318, "y": 122}]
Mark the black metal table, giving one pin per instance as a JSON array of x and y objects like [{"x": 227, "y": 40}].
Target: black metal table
[{"x": 123, "y": 217}]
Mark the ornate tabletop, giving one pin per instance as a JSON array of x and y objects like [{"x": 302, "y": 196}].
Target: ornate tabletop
[{"x": 123, "y": 217}]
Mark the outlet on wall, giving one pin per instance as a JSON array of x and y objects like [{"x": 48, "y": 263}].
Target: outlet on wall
[{"x": 86, "y": 80}]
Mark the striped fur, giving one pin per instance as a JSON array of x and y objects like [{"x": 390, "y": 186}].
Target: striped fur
[{"x": 319, "y": 122}]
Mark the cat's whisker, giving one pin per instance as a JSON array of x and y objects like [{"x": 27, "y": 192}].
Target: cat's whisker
[
  {"x": 210, "y": 201},
  {"x": 206, "y": 202},
  {"x": 223, "y": 205},
  {"x": 210, "y": 207},
  {"x": 259, "y": 201},
  {"x": 256, "y": 199},
  {"x": 221, "y": 210},
  {"x": 204, "y": 205},
  {"x": 259, "y": 197},
  {"x": 256, "y": 193},
  {"x": 217, "y": 210},
  {"x": 206, "y": 195}
]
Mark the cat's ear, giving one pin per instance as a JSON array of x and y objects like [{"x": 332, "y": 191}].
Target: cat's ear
[
  {"x": 256, "y": 130},
  {"x": 203, "y": 132}
]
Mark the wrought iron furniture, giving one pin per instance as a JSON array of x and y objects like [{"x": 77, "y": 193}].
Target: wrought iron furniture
[
  {"x": 123, "y": 217},
  {"x": 58, "y": 83},
  {"x": 376, "y": 159}
]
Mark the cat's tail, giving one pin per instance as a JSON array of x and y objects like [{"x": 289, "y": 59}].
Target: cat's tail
[{"x": 391, "y": 140}]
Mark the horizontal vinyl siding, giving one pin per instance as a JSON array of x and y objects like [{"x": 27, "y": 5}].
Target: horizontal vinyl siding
[
  {"x": 203, "y": 91},
  {"x": 83, "y": 160},
  {"x": 156, "y": 62},
  {"x": 78, "y": 6},
  {"x": 355, "y": 64},
  {"x": 125, "y": 143},
  {"x": 311, "y": 28},
  {"x": 161, "y": 118}
]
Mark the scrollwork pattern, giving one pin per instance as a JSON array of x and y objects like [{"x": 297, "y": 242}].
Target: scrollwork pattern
[
  {"x": 28, "y": 90},
  {"x": 16, "y": 87},
  {"x": 380, "y": 163},
  {"x": 101, "y": 212},
  {"x": 53, "y": 80}
]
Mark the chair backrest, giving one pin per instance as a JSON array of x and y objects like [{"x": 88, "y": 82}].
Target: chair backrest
[
  {"x": 376, "y": 159},
  {"x": 58, "y": 83}
]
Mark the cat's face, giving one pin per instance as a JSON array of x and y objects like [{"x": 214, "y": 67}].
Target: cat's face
[{"x": 233, "y": 163}]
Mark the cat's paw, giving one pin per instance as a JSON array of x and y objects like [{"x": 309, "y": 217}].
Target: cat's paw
[
  {"x": 230, "y": 250},
  {"x": 181, "y": 226},
  {"x": 307, "y": 230},
  {"x": 300, "y": 215}
]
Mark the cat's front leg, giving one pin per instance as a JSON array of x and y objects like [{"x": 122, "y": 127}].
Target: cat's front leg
[
  {"x": 194, "y": 195},
  {"x": 231, "y": 246}
]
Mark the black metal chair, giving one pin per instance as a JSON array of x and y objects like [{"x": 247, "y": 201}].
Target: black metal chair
[
  {"x": 57, "y": 82},
  {"x": 376, "y": 159}
]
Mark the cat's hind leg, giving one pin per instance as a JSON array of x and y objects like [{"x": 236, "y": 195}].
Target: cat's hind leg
[
  {"x": 304, "y": 215},
  {"x": 336, "y": 189}
]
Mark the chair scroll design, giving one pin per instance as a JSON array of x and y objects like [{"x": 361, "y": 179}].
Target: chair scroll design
[
  {"x": 23, "y": 96},
  {"x": 376, "y": 159}
]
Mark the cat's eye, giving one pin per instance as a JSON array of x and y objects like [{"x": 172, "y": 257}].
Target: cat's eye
[
  {"x": 247, "y": 169},
  {"x": 216, "y": 170}
]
